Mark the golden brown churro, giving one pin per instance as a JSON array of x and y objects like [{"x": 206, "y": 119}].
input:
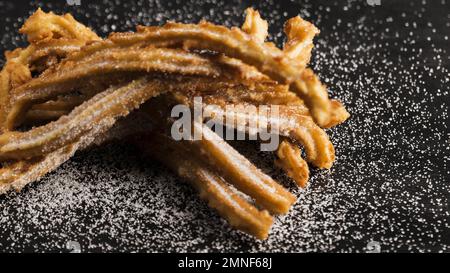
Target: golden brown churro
[
  {"x": 51, "y": 37},
  {"x": 234, "y": 43},
  {"x": 231, "y": 165},
  {"x": 290, "y": 123},
  {"x": 18, "y": 174},
  {"x": 243, "y": 174},
  {"x": 112, "y": 103},
  {"x": 212, "y": 91},
  {"x": 66, "y": 77}
]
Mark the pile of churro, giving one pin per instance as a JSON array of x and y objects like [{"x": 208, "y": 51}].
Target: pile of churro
[{"x": 69, "y": 89}]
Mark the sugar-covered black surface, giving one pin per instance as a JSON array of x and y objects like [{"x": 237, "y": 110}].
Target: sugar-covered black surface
[{"x": 389, "y": 186}]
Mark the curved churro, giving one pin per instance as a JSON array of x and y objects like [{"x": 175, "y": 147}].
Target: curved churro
[
  {"x": 258, "y": 93},
  {"x": 236, "y": 44},
  {"x": 290, "y": 123},
  {"x": 243, "y": 174},
  {"x": 15, "y": 175},
  {"x": 115, "y": 101},
  {"x": 46, "y": 54},
  {"x": 68, "y": 76},
  {"x": 232, "y": 42},
  {"x": 112, "y": 103},
  {"x": 213, "y": 91},
  {"x": 49, "y": 35},
  {"x": 231, "y": 165},
  {"x": 18, "y": 174}
]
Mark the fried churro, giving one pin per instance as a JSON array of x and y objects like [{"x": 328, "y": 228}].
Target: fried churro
[{"x": 67, "y": 77}]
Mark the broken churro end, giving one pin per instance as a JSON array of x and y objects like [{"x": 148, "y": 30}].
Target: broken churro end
[
  {"x": 291, "y": 161},
  {"x": 255, "y": 26}
]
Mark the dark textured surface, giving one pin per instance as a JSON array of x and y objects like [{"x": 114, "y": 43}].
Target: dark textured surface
[{"x": 389, "y": 186}]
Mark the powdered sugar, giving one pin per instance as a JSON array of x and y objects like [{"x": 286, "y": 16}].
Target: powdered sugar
[{"x": 390, "y": 183}]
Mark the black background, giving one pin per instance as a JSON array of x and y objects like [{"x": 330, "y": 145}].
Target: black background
[{"x": 388, "y": 63}]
